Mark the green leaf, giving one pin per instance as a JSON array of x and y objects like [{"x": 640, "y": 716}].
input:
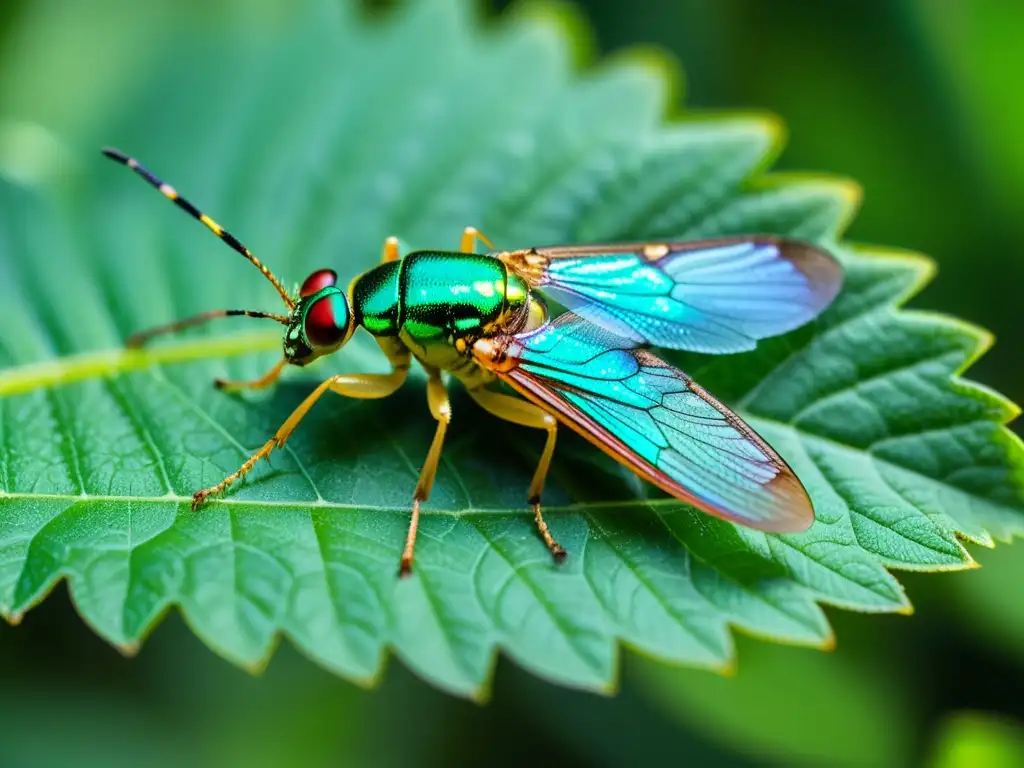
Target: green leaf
[{"x": 314, "y": 145}]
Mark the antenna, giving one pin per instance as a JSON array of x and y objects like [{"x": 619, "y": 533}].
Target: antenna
[{"x": 171, "y": 194}]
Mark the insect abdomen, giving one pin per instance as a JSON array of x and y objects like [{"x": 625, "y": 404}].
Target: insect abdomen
[{"x": 448, "y": 296}]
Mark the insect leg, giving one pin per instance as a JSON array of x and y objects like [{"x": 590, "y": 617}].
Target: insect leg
[
  {"x": 261, "y": 383},
  {"x": 390, "y": 252},
  {"x": 469, "y": 237},
  {"x": 440, "y": 409},
  {"x": 528, "y": 415},
  {"x": 365, "y": 386}
]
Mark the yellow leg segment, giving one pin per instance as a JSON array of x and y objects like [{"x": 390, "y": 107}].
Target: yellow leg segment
[
  {"x": 469, "y": 237},
  {"x": 365, "y": 386},
  {"x": 390, "y": 252},
  {"x": 528, "y": 415},
  {"x": 440, "y": 409},
  {"x": 261, "y": 383},
  {"x": 467, "y": 245}
]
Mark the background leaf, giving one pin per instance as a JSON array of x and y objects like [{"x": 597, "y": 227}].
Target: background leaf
[
  {"x": 320, "y": 142},
  {"x": 978, "y": 738},
  {"x": 989, "y": 603},
  {"x": 846, "y": 708}
]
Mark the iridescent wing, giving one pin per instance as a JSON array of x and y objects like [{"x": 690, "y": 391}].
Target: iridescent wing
[
  {"x": 652, "y": 418},
  {"x": 715, "y": 296}
]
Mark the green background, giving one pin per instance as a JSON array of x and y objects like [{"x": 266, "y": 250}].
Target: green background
[{"x": 917, "y": 101}]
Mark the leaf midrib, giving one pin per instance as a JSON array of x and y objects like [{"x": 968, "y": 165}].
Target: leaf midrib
[
  {"x": 283, "y": 504},
  {"x": 21, "y": 379},
  {"x": 576, "y": 507}
]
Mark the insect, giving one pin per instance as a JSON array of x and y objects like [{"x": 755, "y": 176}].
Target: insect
[{"x": 482, "y": 319}]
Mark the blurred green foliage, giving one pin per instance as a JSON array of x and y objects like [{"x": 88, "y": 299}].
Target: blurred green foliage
[
  {"x": 916, "y": 100},
  {"x": 969, "y": 739},
  {"x": 861, "y": 704}
]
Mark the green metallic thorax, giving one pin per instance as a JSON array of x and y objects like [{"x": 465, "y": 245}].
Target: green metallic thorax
[{"x": 438, "y": 303}]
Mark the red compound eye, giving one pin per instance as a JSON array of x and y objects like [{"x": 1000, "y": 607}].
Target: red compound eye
[
  {"x": 322, "y": 278},
  {"x": 326, "y": 321}
]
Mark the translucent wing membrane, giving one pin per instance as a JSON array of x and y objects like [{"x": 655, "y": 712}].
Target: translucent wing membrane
[
  {"x": 714, "y": 296},
  {"x": 655, "y": 420}
]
